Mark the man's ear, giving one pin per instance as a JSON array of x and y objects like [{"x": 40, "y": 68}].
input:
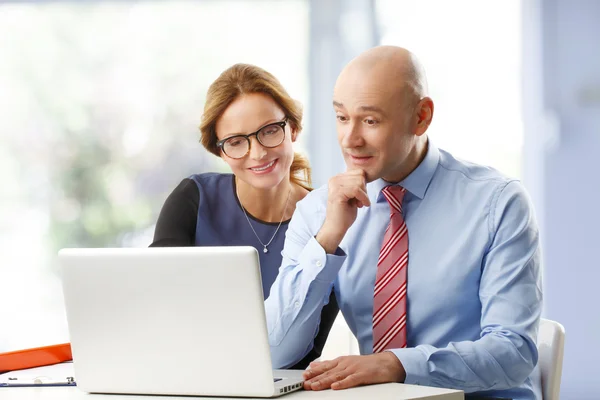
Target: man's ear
[{"x": 424, "y": 115}]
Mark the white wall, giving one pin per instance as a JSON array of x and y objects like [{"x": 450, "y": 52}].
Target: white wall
[{"x": 562, "y": 167}]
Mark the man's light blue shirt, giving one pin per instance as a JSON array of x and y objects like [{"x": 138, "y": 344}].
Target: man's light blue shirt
[{"x": 474, "y": 279}]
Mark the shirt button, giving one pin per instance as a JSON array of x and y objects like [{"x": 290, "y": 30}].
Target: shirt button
[
  {"x": 297, "y": 304},
  {"x": 319, "y": 264}
]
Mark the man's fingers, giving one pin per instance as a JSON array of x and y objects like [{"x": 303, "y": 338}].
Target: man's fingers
[
  {"x": 359, "y": 174},
  {"x": 362, "y": 196},
  {"x": 349, "y": 381},
  {"x": 317, "y": 368},
  {"x": 355, "y": 187},
  {"x": 328, "y": 374},
  {"x": 310, "y": 371},
  {"x": 352, "y": 178},
  {"x": 323, "y": 374},
  {"x": 325, "y": 381},
  {"x": 361, "y": 178}
]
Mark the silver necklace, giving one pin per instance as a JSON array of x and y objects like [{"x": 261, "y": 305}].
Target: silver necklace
[{"x": 265, "y": 250}]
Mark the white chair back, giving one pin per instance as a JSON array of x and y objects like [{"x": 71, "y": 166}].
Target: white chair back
[{"x": 551, "y": 343}]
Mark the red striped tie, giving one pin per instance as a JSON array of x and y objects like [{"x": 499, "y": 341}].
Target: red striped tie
[{"x": 389, "y": 299}]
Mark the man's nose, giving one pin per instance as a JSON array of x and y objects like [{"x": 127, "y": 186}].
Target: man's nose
[{"x": 351, "y": 136}]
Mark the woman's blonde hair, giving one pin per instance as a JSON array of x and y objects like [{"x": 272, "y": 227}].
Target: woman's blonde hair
[{"x": 242, "y": 79}]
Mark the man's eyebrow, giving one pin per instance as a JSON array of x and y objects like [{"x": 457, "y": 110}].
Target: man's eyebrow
[
  {"x": 371, "y": 108},
  {"x": 376, "y": 109}
]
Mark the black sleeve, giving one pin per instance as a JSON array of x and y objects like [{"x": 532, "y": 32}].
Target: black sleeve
[
  {"x": 328, "y": 315},
  {"x": 176, "y": 224}
]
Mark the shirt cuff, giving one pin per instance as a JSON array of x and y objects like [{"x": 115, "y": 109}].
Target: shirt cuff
[
  {"x": 414, "y": 362},
  {"x": 319, "y": 265}
]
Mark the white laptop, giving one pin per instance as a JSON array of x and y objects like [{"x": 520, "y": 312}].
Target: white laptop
[{"x": 173, "y": 321}]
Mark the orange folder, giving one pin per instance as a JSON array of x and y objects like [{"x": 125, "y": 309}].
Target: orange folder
[{"x": 36, "y": 357}]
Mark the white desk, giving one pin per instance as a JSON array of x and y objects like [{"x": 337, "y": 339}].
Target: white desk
[{"x": 389, "y": 391}]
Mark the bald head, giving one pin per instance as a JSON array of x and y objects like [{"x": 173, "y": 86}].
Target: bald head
[
  {"x": 383, "y": 112},
  {"x": 389, "y": 67}
]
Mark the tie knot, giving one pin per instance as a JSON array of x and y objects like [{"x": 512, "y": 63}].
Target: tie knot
[{"x": 394, "y": 195}]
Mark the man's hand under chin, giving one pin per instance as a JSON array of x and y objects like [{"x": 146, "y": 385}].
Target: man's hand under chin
[{"x": 350, "y": 371}]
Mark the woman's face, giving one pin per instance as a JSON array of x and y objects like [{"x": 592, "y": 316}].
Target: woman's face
[{"x": 262, "y": 167}]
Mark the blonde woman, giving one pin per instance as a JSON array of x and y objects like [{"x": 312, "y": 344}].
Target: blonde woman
[{"x": 251, "y": 122}]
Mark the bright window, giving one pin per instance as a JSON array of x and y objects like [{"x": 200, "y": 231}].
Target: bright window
[
  {"x": 471, "y": 51},
  {"x": 99, "y": 108}
]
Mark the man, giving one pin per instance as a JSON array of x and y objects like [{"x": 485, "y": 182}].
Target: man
[{"x": 435, "y": 262}]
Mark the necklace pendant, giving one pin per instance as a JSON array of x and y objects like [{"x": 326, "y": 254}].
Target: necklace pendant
[{"x": 265, "y": 250}]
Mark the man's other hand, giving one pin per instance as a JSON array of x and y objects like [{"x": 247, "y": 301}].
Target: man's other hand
[{"x": 350, "y": 371}]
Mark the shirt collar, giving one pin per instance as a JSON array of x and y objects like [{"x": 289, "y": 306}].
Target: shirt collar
[{"x": 417, "y": 181}]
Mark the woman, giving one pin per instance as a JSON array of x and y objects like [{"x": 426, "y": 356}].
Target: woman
[{"x": 250, "y": 122}]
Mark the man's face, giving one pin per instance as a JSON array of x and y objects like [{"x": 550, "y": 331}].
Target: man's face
[{"x": 374, "y": 126}]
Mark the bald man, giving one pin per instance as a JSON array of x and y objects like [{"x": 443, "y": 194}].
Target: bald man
[{"x": 435, "y": 262}]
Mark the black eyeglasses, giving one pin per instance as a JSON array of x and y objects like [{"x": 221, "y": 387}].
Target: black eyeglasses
[{"x": 238, "y": 146}]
